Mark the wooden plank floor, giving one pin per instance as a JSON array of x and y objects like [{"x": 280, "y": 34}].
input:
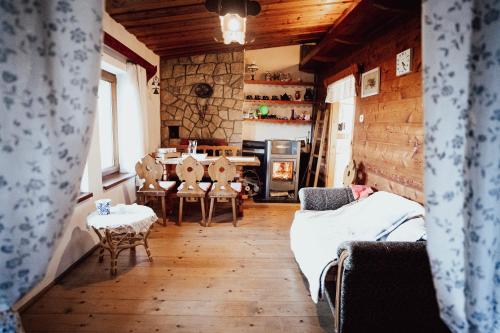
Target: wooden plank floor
[{"x": 217, "y": 279}]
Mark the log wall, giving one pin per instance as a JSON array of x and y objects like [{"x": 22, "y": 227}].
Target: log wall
[{"x": 388, "y": 145}]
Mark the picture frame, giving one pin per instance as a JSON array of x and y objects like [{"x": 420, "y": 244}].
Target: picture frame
[
  {"x": 370, "y": 82},
  {"x": 404, "y": 61}
]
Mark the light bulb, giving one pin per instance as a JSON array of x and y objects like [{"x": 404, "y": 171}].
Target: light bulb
[
  {"x": 234, "y": 24},
  {"x": 233, "y": 28}
]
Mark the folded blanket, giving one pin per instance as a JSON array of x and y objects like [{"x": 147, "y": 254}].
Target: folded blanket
[{"x": 316, "y": 235}]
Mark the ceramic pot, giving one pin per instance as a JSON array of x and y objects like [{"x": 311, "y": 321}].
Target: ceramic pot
[
  {"x": 103, "y": 206},
  {"x": 297, "y": 95}
]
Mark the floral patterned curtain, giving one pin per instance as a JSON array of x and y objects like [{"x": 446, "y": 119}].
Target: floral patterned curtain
[
  {"x": 49, "y": 72},
  {"x": 461, "y": 43}
]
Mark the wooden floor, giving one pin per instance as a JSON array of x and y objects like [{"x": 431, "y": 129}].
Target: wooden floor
[{"x": 217, "y": 279}]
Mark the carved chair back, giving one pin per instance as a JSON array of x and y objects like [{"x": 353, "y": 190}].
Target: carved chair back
[
  {"x": 222, "y": 172},
  {"x": 191, "y": 172},
  {"x": 149, "y": 170}
]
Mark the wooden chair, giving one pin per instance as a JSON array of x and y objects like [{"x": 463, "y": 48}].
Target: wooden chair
[
  {"x": 190, "y": 171},
  {"x": 222, "y": 173},
  {"x": 218, "y": 150},
  {"x": 151, "y": 172}
]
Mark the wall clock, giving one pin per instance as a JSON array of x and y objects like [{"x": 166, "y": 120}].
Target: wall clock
[{"x": 403, "y": 62}]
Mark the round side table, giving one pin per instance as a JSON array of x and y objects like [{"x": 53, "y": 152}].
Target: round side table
[{"x": 126, "y": 227}]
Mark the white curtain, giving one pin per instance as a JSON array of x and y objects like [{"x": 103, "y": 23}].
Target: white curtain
[
  {"x": 341, "y": 89},
  {"x": 461, "y": 43},
  {"x": 132, "y": 117},
  {"x": 49, "y": 73}
]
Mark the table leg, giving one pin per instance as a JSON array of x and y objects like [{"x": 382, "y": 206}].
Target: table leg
[
  {"x": 181, "y": 203},
  {"x": 202, "y": 203},
  {"x": 164, "y": 210},
  {"x": 240, "y": 194},
  {"x": 101, "y": 252},
  {"x": 102, "y": 244},
  {"x": 146, "y": 246},
  {"x": 240, "y": 205},
  {"x": 233, "y": 204},
  {"x": 113, "y": 252},
  {"x": 131, "y": 242},
  {"x": 210, "y": 212}
]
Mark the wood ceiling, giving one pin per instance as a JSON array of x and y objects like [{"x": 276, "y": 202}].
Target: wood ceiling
[
  {"x": 369, "y": 19},
  {"x": 173, "y": 28}
]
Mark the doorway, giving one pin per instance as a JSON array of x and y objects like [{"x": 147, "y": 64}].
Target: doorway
[{"x": 342, "y": 98}]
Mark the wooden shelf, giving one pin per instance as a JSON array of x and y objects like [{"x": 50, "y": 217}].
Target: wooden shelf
[
  {"x": 280, "y": 83},
  {"x": 270, "y": 101},
  {"x": 280, "y": 121}
]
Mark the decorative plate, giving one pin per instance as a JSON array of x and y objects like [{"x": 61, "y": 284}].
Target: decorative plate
[{"x": 203, "y": 90}]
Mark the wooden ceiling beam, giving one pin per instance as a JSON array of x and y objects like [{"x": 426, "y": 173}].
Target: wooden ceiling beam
[
  {"x": 180, "y": 52},
  {"x": 259, "y": 41},
  {"x": 330, "y": 32},
  {"x": 369, "y": 18},
  {"x": 326, "y": 59},
  {"x": 347, "y": 42},
  {"x": 208, "y": 30},
  {"x": 209, "y": 38}
]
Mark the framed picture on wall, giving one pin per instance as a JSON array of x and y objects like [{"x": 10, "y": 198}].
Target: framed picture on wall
[{"x": 370, "y": 82}]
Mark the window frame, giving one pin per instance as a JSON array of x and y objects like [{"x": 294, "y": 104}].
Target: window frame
[{"x": 111, "y": 78}]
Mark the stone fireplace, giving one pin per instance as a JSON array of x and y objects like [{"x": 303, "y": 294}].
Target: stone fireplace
[{"x": 186, "y": 116}]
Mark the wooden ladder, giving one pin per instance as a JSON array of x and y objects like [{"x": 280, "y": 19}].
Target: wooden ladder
[{"x": 313, "y": 155}]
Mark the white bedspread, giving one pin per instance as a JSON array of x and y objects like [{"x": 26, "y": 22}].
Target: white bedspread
[{"x": 316, "y": 235}]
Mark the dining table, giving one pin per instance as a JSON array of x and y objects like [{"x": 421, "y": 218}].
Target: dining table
[
  {"x": 239, "y": 161},
  {"x": 169, "y": 165}
]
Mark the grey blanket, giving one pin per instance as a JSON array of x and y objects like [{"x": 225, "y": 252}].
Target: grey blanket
[{"x": 314, "y": 198}]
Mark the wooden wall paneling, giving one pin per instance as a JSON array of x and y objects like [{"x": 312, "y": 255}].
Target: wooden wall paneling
[{"x": 389, "y": 143}]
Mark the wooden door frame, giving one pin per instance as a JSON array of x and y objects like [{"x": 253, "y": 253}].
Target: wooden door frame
[
  {"x": 332, "y": 143},
  {"x": 332, "y": 140}
]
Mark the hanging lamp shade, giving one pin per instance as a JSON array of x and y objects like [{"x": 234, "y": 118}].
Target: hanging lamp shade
[
  {"x": 233, "y": 17},
  {"x": 233, "y": 28}
]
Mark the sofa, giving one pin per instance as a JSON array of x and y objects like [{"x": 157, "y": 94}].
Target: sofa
[{"x": 372, "y": 286}]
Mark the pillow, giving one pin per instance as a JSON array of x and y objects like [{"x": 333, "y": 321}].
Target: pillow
[
  {"x": 361, "y": 191},
  {"x": 410, "y": 231}
]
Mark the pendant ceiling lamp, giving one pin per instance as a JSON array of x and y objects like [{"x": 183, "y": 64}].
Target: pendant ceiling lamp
[{"x": 233, "y": 17}]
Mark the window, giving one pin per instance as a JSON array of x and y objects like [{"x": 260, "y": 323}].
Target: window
[
  {"x": 108, "y": 134},
  {"x": 84, "y": 184}
]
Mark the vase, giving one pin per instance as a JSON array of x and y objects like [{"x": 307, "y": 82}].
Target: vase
[
  {"x": 309, "y": 95},
  {"x": 297, "y": 95}
]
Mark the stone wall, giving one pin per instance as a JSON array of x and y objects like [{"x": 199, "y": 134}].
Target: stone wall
[{"x": 180, "y": 106}]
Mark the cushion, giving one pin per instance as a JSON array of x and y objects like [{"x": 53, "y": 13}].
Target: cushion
[
  {"x": 203, "y": 185},
  {"x": 361, "y": 191},
  {"x": 167, "y": 184},
  {"x": 235, "y": 186}
]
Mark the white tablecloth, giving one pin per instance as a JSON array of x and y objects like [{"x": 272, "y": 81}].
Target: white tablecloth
[{"x": 134, "y": 218}]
